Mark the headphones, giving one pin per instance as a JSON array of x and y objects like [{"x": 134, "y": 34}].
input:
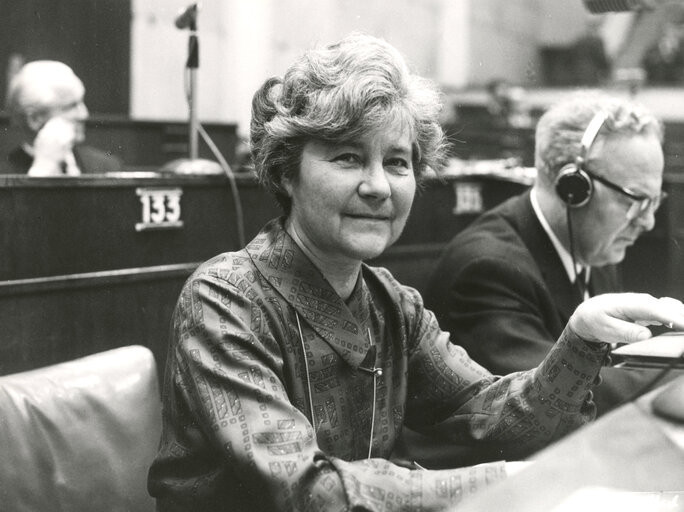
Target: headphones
[{"x": 573, "y": 184}]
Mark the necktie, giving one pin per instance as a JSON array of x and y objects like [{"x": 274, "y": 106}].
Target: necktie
[{"x": 581, "y": 283}]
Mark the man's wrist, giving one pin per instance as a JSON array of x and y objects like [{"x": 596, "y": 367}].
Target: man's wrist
[{"x": 45, "y": 167}]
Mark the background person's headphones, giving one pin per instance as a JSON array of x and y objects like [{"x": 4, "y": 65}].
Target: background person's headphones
[{"x": 573, "y": 185}]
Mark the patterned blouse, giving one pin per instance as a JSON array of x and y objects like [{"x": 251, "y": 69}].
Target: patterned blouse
[{"x": 280, "y": 395}]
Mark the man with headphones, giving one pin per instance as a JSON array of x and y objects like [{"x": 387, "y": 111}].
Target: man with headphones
[{"x": 507, "y": 284}]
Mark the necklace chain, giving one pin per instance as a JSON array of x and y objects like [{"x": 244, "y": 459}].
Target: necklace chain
[{"x": 375, "y": 371}]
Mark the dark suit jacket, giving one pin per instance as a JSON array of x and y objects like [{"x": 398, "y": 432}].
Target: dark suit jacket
[
  {"x": 89, "y": 159},
  {"x": 501, "y": 290}
]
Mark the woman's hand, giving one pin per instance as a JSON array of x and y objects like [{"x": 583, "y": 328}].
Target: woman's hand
[{"x": 620, "y": 317}]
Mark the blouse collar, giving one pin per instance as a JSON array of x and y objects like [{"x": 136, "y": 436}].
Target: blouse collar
[{"x": 290, "y": 272}]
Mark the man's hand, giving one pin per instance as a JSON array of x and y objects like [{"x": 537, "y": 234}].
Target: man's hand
[
  {"x": 54, "y": 142},
  {"x": 620, "y": 317}
]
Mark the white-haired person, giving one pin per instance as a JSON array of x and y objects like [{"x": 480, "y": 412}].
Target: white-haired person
[
  {"x": 45, "y": 101},
  {"x": 293, "y": 365}
]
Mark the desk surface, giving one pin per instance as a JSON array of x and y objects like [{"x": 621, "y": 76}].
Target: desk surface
[{"x": 630, "y": 449}]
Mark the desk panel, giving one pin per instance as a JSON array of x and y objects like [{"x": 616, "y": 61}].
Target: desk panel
[
  {"x": 63, "y": 225},
  {"x": 442, "y": 209},
  {"x": 68, "y": 318},
  {"x": 653, "y": 265},
  {"x": 76, "y": 277}
]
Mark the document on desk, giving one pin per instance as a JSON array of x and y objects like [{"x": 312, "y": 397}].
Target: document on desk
[
  {"x": 657, "y": 352},
  {"x": 600, "y": 499}
]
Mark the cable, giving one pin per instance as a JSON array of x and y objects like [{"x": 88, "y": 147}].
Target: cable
[
  {"x": 581, "y": 285},
  {"x": 239, "y": 214},
  {"x": 376, "y": 373}
]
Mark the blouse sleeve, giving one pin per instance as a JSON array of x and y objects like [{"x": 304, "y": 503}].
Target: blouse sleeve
[
  {"x": 233, "y": 440},
  {"x": 451, "y": 395}
]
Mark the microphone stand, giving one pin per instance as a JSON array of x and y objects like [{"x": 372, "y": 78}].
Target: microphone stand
[
  {"x": 192, "y": 65},
  {"x": 193, "y": 164}
]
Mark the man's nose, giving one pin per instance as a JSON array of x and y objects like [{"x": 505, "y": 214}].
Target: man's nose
[
  {"x": 646, "y": 219},
  {"x": 82, "y": 111}
]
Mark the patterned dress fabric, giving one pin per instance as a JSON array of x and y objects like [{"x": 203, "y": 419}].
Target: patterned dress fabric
[{"x": 270, "y": 402}]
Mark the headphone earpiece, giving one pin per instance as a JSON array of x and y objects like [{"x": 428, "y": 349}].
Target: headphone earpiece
[{"x": 574, "y": 186}]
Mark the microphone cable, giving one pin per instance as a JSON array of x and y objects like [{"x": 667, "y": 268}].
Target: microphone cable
[{"x": 239, "y": 213}]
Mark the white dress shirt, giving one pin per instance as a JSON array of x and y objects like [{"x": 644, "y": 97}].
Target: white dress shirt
[{"x": 563, "y": 253}]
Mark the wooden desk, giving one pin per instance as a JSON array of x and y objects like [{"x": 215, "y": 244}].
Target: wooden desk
[
  {"x": 653, "y": 265},
  {"x": 629, "y": 449},
  {"x": 77, "y": 277},
  {"x": 66, "y": 225},
  {"x": 442, "y": 209}
]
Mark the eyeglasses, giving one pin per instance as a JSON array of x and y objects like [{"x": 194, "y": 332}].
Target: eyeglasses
[{"x": 640, "y": 203}]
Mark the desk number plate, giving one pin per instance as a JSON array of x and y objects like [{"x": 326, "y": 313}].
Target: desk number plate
[
  {"x": 468, "y": 198},
  {"x": 161, "y": 208}
]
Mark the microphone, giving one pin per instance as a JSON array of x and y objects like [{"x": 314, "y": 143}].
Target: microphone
[
  {"x": 187, "y": 17},
  {"x": 602, "y": 6}
]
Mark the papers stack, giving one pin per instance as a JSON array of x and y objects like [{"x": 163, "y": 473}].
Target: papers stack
[{"x": 657, "y": 352}]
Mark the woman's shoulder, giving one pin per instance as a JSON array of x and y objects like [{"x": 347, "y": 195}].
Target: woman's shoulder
[{"x": 229, "y": 267}]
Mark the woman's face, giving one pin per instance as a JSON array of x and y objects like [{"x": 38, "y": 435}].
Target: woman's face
[{"x": 350, "y": 200}]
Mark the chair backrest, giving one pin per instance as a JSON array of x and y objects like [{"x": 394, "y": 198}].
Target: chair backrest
[{"x": 80, "y": 435}]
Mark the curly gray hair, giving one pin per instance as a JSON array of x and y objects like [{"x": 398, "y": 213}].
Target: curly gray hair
[{"x": 339, "y": 93}]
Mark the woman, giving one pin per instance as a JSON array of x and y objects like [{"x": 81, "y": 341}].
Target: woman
[{"x": 294, "y": 366}]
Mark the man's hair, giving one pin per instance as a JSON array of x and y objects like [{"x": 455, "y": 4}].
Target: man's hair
[
  {"x": 36, "y": 87},
  {"x": 560, "y": 129},
  {"x": 340, "y": 93}
]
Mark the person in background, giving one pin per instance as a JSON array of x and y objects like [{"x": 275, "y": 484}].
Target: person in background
[
  {"x": 506, "y": 106},
  {"x": 506, "y": 286},
  {"x": 293, "y": 366},
  {"x": 45, "y": 101}
]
